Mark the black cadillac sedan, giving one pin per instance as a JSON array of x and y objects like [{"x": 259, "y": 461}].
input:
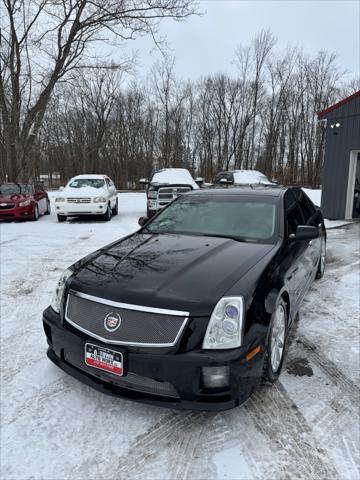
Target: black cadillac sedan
[{"x": 194, "y": 309}]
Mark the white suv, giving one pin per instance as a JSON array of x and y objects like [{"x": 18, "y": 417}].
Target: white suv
[{"x": 87, "y": 195}]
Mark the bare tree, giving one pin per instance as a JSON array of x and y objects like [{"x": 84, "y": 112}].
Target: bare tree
[
  {"x": 42, "y": 41},
  {"x": 130, "y": 129}
]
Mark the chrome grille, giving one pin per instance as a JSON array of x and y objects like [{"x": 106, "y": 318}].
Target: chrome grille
[
  {"x": 79, "y": 200},
  {"x": 168, "y": 194},
  {"x": 142, "y": 326}
]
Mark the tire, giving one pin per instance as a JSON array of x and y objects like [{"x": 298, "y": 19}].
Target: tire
[
  {"x": 61, "y": 218},
  {"x": 276, "y": 343},
  {"x": 36, "y": 214},
  {"x": 322, "y": 259},
  {"x": 150, "y": 213},
  {"x": 107, "y": 215},
  {"x": 48, "y": 208},
  {"x": 115, "y": 210}
]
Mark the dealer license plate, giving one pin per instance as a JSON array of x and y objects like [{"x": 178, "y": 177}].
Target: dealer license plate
[{"x": 104, "y": 359}]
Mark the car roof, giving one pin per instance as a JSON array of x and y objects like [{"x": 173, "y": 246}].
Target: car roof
[
  {"x": 249, "y": 190},
  {"x": 91, "y": 175}
]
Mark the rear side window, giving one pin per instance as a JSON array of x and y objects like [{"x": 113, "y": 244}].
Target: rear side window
[{"x": 229, "y": 176}]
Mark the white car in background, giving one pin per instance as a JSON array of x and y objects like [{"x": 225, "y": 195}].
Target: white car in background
[{"x": 87, "y": 195}]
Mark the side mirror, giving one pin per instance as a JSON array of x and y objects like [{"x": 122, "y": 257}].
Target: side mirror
[
  {"x": 142, "y": 221},
  {"x": 143, "y": 181},
  {"x": 305, "y": 232},
  {"x": 61, "y": 189},
  {"x": 273, "y": 180}
]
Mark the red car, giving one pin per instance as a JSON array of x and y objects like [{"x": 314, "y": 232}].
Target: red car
[{"x": 20, "y": 201}]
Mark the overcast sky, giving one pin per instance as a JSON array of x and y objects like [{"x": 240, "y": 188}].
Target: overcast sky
[{"x": 206, "y": 44}]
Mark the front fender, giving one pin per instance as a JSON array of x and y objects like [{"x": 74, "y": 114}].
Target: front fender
[{"x": 261, "y": 287}]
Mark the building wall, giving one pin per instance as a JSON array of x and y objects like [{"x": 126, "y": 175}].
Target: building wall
[{"x": 339, "y": 143}]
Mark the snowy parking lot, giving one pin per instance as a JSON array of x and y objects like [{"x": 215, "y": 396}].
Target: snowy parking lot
[{"x": 53, "y": 427}]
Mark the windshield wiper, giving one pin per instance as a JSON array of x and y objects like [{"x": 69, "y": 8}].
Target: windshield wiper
[
  {"x": 147, "y": 230},
  {"x": 219, "y": 235},
  {"x": 215, "y": 235}
]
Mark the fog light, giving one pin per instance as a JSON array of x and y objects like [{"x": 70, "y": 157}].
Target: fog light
[{"x": 215, "y": 377}]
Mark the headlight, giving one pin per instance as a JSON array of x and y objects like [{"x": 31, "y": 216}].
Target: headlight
[
  {"x": 226, "y": 324},
  {"x": 152, "y": 194},
  {"x": 59, "y": 291},
  {"x": 25, "y": 203},
  {"x": 151, "y": 203},
  {"x": 59, "y": 199},
  {"x": 99, "y": 199}
]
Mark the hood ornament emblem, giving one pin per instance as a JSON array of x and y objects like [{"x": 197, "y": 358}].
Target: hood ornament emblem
[{"x": 112, "y": 321}]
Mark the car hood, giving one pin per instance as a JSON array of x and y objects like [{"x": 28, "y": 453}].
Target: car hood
[
  {"x": 13, "y": 198},
  {"x": 180, "y": 272},
  {"x": 83, "y": 192}
]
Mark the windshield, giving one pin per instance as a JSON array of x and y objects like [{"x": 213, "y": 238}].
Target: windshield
[
  {"x": 15, "y": 189},
  {"x": 239, "y": 217},
  {"x": 26, "y": 189},
  {"x": 87, "y": 182}
]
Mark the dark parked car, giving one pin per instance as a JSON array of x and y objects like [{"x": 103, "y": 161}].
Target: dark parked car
[
  {"x": 195, "y": 308},
  {"x": 166, "y": 185},
  {"x": 19, "y": 201}
]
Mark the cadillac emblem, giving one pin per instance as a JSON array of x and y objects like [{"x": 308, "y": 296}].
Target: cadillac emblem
[{"x": 112, "y": 321}]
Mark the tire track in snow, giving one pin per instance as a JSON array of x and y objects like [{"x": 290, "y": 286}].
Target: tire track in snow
[
  {"x": 35, "y": 403},
  {"x": 334, "y": 424},
  {"x": 332, "y": 372},
  {"x": 183, "y": 444},
  {"x": 166, "y": 442},
  {"x": 281, "y": 422}
]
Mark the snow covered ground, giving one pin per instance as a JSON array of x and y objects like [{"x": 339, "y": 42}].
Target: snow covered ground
[{"x": 53, "y": 427}]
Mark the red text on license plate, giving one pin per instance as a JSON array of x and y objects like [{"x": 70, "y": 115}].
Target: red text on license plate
[{"x": 104, "y": 359}]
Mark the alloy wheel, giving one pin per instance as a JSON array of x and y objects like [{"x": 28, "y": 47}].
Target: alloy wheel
[{"x": 277, "y": 340}]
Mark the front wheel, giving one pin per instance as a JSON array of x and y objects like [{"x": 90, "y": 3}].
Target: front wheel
[
  {"x": 322, "y": 259},
  {"x": 36, "y": 214},
  {"x": 275, "y": 350},
  {"x": 107, "y": 215},
  {"x": 150, "y": 213},
  {"x": 115, "y": 210},
  {"x": 48, "y": 208}
]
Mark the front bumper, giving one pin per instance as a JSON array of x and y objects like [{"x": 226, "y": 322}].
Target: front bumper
[
  {"x": 74, "y": 209},
  {"x": 182, "y": 371},
  {"x": 17, "y": 213}
]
